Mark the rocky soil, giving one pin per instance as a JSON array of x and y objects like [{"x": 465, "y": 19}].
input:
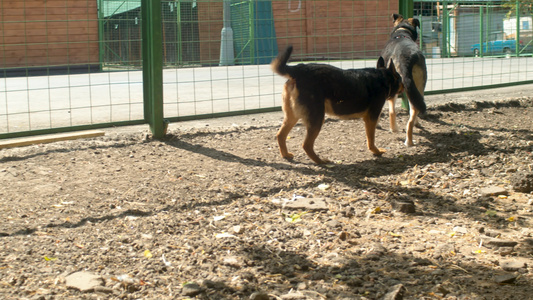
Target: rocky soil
[{"x": 215, "y": 213}]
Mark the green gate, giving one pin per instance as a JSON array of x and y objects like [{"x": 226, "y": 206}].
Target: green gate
[
  {"x": 120, "y": 33},
  {"x": 254, "y": 36}
]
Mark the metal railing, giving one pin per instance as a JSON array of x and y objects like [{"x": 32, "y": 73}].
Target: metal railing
[{"x": 93, "y": 64}]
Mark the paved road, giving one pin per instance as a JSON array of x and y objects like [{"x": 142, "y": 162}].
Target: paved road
[{"x": 65, "y": 100}]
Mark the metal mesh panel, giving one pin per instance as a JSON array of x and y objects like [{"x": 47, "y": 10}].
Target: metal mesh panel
[
  {"x": 452, "y": 35},
  {"x": 348, "y": 34},
  {"x": 51, "y": 58},
  {"x": 77, "y": 63}
]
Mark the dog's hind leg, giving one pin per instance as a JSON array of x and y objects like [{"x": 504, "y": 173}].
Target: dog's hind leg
[
  {"x": 410, "y": 125},
  {"x": 370, "y": 129},
  {"x": 392, "y": 114},
  {"x": 289, "y": 121},
  {"x": 313, "y": 129}
]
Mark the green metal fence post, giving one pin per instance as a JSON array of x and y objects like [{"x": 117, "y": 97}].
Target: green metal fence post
[
  {"x": 481, "y": 27},
  {"x": 445, "y": 29},
  {"x": 406, "y": 8},
  {"x": 101, "y": 36},
  {"x": 517, "y": 35},
  {"x": 152, "y": 52}
]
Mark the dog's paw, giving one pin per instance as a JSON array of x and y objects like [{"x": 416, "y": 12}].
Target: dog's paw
[
  {"x": 378, "y": 151},
  {"x": 394, "y": 129},
  {"x": 409, "y": 143},
  {"x": 321, "y": 161},
  {"x": 288, "y": 156}
]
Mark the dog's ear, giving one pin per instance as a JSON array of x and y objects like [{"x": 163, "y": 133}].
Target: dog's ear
[
  {"x": 381, "y": 63},
  {"x": 414, "y": 22},
  {"x": 396, "y": 17},
  {"x": 392, "y": 68}
]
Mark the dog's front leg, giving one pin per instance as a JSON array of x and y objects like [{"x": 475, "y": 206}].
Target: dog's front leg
[{"x": 370, "y": 129}]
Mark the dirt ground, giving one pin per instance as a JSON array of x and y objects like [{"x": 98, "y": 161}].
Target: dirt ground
[{"x": 213, "y": 212}]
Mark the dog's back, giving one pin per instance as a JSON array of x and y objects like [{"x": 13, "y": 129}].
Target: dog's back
[
  {"x": 409, "y": 60},
  {"x": 353, "y": 89}
]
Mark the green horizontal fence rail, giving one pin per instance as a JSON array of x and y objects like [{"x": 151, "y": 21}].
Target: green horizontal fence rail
[{"x": 84, "y": 64}]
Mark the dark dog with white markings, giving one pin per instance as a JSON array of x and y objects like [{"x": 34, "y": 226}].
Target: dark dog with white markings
[
  {"x": 410, "y": 63},
  {"x": 313, "y": 90}
]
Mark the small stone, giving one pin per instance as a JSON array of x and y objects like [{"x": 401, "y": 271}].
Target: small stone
[
  {"x": 513, "y": 265},
  {"x": 505, "y": 251},
  {"x": 494, "y": 242},
  {"x": 84, "y": 281},
  {"x": 493, "y": 191},
  {"x": 294, "y": 296},
  {"x": 505, "y": 278},
  {"x": 191, "y": 290},
  {"x": 334, "y": 224},
  {"x": 404, "y": 206},
  {"x": 445, "y": 250},
  {"x": 343, "y": 236},
  {"x": 308, "y": 204},
  {"x": 103, "y": 289},
  {"x": 238, "y": 229},
  {"x": 210, "y": 284},
  {"x": 522, "y": 182},
  {"x": 441, "y": 290},
  {"x": 395, "y": 293},
  {"x": 492, "y": 233},
  {"x": 419, "y": 248},
  {"x": 461, "y": 230},
  {"x": 259, "y": 296},
  {"x": 232, "y": 261},
  {"x": 349, "y": 212}
]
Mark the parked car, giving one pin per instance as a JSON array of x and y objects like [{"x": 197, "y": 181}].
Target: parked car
[{"x": 497, "y": 46}]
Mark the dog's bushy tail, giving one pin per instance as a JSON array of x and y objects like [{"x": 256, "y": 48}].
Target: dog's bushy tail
[
  {"x": 279, "y": 64},
  {"x": 416, "y": 98}
]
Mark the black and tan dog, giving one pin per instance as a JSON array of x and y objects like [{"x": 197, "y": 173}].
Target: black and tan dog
[
  {"x": 410, "y": 63},
  {"x": 313, "y": 90}
]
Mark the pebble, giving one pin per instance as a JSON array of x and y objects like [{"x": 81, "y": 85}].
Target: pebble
[
  {"x": 444, "y": 250},
  {"x": 493, "y": 191},
  {"x": 238, "y": 229},
  {"x": 461, "y": 230},
  {"x": 259, "y": 296},
  {"x": 404, "y": 206},
  {"x": 308, "y": 204},
  {"x": 490, "y": 242},
  {"x": 294, "y": 296},
  {"x": 232, "y": 261},
  {"x": 395, "y": 293},
  {"x": 84, "y": 281},
  {"x": 419, "y": 247},
  {"x": 334, "y": 224},
  {"x": 505, "y": 278},
  {"x": 191, "y": 289},
  {"x": 513, "y": 265}
]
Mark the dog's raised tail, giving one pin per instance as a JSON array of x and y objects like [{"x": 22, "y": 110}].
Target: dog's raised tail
[{"x": 279, "y": 64}]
